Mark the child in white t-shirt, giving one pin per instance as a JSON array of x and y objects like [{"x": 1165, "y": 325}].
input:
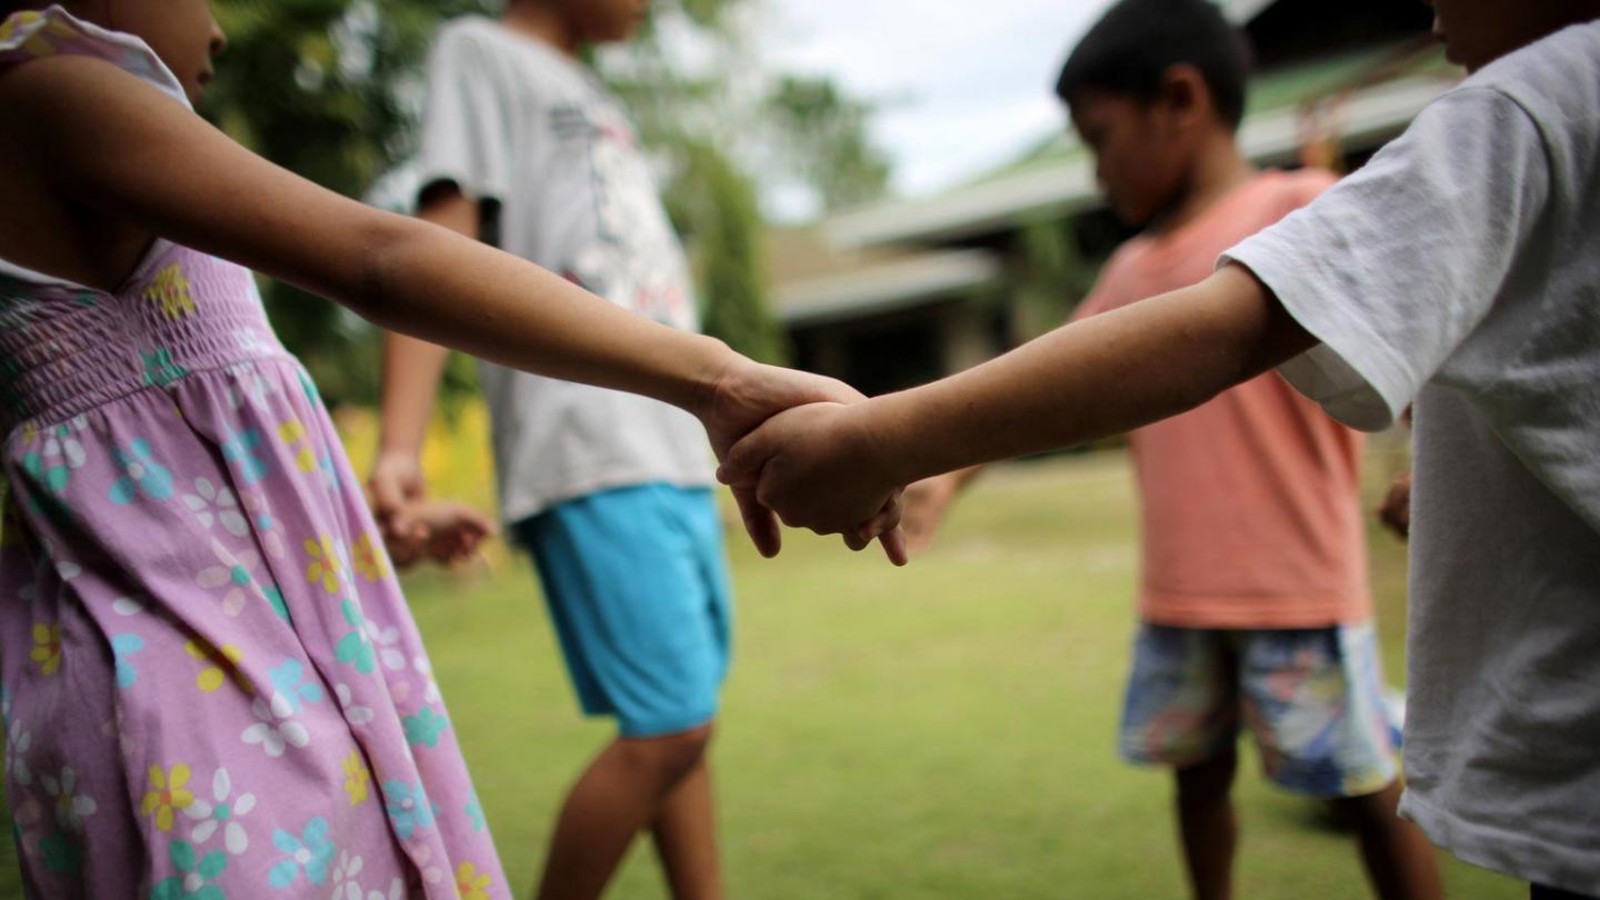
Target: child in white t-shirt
[{"x": 1459, "y": 271}]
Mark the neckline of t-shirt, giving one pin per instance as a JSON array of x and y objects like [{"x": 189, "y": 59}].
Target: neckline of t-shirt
[{"x": 543, "y": 48}]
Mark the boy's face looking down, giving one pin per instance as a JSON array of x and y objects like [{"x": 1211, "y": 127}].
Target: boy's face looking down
[
  {"x": 1145, "y": 151},
  {"x": 604, "y": 21}
]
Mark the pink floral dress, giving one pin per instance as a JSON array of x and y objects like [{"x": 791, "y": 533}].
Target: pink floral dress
[{"x": 211, "y": 684}]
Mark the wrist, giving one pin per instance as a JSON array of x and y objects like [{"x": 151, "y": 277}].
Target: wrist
[
  {"x": 398, "y": 452},
  {"x": 877, "y": 453},
  {"x": 714, "y": 368}
]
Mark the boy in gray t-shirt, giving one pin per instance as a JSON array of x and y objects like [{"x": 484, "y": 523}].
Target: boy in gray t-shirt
[
  {"x": 1459, "y": 270},
  {"x": 610, "y": 492}
]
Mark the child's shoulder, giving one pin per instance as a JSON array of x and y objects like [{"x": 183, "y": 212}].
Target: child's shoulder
[
  {"x": 1292, "y": 189},
  {"x": 474, "y": 41},
  {"x": 471, "y": 33},
  {"x": 1555, "y": 80}
]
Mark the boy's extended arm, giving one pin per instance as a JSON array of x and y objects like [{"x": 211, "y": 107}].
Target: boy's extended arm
[
  {"x": 1101, "y": 376},
  {"x": 111, "y": 142}
]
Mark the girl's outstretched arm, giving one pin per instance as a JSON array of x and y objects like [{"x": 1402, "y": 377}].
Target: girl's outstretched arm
[
  {"x": 1098, "y": 377},
  {"x": 111, "y": 143}
]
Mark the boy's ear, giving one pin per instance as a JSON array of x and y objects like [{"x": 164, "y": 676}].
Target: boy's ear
[{"x": 1184, "y": 91}]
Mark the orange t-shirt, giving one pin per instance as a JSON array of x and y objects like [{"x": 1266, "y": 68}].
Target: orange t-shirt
[{"x": 1251, "y": 513}]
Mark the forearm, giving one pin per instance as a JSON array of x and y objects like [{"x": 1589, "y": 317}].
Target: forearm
[
  {"x": 411, "y": 372},
  {"x": 448, "y": 289},
  {"x": 1102, "y": 376}
]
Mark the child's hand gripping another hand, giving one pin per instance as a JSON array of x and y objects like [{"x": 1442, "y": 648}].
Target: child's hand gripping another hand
[
  {"x": 444, "y": 531},
  {"x": 750, "y": 394},
  {"x": 815, "y": 467}
]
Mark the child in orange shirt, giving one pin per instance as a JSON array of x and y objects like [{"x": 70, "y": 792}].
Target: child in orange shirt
[{"x": 1254, "y": 606}]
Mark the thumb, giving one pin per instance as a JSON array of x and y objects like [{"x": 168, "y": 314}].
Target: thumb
[{"x": 741, "y": 469}]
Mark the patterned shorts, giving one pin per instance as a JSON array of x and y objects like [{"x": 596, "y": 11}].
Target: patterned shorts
[{"x": 1313, "y": 698}]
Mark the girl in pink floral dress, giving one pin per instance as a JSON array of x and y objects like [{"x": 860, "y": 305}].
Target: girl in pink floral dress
[{"x": 212, "y": 687}]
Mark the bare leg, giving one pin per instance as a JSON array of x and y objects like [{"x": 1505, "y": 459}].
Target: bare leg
[
  {"x": 1399, "y": 860},
  {"x": 686, "y": 839},
  {"x": 1207, "y": 825},
  {"x": 620, "y": 793}
]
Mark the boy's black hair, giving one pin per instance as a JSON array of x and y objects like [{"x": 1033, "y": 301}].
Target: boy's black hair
[{"x": 1134, "y": 44}]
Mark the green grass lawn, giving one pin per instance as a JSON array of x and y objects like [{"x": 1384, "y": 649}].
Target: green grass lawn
[{"x": 941, "y": 731}]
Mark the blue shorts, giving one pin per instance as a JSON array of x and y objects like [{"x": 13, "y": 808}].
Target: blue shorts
[
  {"x": 1313, "y": 698},
  {"x": 636, "y": 582}
]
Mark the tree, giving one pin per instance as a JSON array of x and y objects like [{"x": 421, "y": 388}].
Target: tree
[{"x": 820, "y": 136}]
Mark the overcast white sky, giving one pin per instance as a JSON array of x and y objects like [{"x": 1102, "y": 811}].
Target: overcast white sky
[{"x": 965, "y": 84}]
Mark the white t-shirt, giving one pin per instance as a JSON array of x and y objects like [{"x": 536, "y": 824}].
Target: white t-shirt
[
  {"x": 1460, "y": 271},
  {"x": 510, "y": 119}
]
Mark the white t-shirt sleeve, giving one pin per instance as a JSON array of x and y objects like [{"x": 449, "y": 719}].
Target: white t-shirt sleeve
[
  {"x": 1394, "y": 267},
  {"x": 465, "y": 132}
]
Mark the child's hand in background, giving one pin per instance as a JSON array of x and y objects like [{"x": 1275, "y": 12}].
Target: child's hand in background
[{"x": 443, "y": 531}]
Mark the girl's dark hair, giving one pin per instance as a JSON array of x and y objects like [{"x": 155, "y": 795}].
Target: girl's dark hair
[
  {"x": 7, "y": 7},
  {"x": 1134, "y": 44}
]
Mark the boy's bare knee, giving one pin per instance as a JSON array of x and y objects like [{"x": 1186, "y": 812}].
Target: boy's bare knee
[
  {"x": 1209, "y": 781},
  {"x": 1375, "y": 809}
]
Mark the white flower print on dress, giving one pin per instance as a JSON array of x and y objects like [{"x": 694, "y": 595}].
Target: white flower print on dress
[
  {"x": 18, "y": 740},
  {"x": 216, "y": 505},
  {"x": 62, "y": 447},
  {"x": 386, "y": 641},
  {"x": 277, "y": 727},
  {"x": 422, "y": 855},
  {"x": 354, "y": 713},
  {"x": 127, "y": 606},
  {"x": 235, "y": 574},
  {"x": 71, "y": 807},
  {"x": 222, "y": 812},
  {"x": 346, "y": 872},
  {"x": 248, "y": 384},
  {"x": 267, "y": 530},
  {"x": 49, "y": 562},
  {"x": 430, "y": 691},
  {"x": 397, "y": 891}
]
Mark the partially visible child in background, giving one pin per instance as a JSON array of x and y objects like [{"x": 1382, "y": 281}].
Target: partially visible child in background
[
  {"x": 190, "y": 579},
  {"x": 1255, "y": 609},
  {"x": 610, "y": 493},
  {"x": 1459, "y": 269}
]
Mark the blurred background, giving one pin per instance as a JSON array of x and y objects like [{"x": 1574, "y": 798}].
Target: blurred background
[{"x": 883, "y": 191}]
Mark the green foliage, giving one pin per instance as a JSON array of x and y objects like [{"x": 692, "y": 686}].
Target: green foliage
[
  {"x": 323, "y": 87},
  {"x": 1053, "y": 275},
  {"x": 821, "y": 137},
  {"x": 716, "y": 209}
]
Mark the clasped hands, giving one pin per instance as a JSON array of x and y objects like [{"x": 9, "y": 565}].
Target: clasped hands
[
  {"x": 795, "y": 446},
  {"x": 792, "y": 446}
]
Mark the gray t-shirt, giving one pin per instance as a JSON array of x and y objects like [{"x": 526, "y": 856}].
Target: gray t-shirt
[
  {"x": 1460, "y": 271},
  {"x": 512, "y": 120}
]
